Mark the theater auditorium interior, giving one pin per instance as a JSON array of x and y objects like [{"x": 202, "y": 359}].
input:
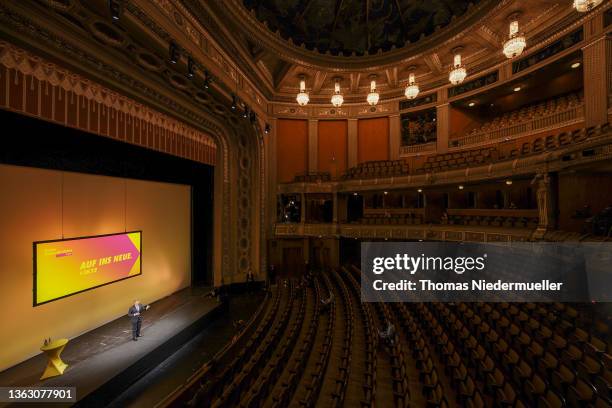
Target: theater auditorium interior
[{"x": 190, "y": 192}]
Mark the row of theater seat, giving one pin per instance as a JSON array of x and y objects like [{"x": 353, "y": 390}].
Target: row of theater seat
[
  {"x": 531, "y": 112},
  {"x": 392, "y": 219},
  {"x": 380, "y": 168},
  {"x": 297, "y": 352},
  {"x": 480, "y": 156},
  {"x": 463, "y": 158},
  {"x": 287, "y": 383},
  {"x": 492, "y": 220},
  {"x": 244, "y": 382},
  {"x": 312, "y": 177},
  {"x": 447, "y": 161}
]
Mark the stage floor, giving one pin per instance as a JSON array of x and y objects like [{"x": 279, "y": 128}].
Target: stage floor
[{"x": 103, "y": 354}]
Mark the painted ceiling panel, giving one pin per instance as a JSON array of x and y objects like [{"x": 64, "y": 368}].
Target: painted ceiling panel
[{"x": 359, "y": 26}]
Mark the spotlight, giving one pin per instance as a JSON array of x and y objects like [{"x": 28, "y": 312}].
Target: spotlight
[
  {"x": 575, "y": 65},
  {"x": 234, "y": 102},
  {"x": 509, "y": 182},
  {"x": 420, "y": 190},
  {"x": 460, "y": 187},
  {"x": 386, "y": 192},
  {"x": 115, "y": 9},
  {"x": 173, "y": 53},
  {"x": 190, "y": 67},
  {"x": 245, "y": 114},
  {"x": 516, "y": 89},
  {"x": 267, "y": 128},
  {"x": 355, "y": 194},
  {"x": 471, "y": 104}
]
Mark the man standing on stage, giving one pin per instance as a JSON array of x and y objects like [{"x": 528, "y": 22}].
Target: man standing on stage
[{"x": 136, "y": 318}]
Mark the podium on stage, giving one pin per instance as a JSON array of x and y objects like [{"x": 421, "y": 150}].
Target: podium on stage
[{"x": 55, "y": 365}]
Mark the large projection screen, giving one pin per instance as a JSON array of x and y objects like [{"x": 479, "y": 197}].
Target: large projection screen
[{"x": 70, "y": 266}]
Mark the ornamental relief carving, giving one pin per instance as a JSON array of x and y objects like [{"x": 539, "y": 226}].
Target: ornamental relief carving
[
  {"x": 189, "y": 25},
  {"x": 217, "y": 125},
  {"x": 290, "y": 110}
]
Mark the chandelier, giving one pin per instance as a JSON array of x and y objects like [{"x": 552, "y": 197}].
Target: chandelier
[
  {"x": 516, "y": 43},
  {"x": 373, "y": 96},
  {"x": 458, "y": 72},
  {"x": 586, "y": 5},
  {"x": 337, "y": 99},
  {"x": 412, "y": 90},
  {"x": 302, "y": 97}
]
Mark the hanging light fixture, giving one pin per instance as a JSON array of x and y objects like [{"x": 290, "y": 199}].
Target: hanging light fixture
[
  {"x": 458, "y": 71},
  {"x": 412, "y": 90},
  {"x": 514, "y": 46},
  {"x": 373, "y": 96},
  {"x": 584, "y": 6},
  {"x": 337, "y": 99},
  {"x": 302, "y": 97}
]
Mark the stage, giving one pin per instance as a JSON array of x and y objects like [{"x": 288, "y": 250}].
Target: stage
[{"x": 105, "y": 361}]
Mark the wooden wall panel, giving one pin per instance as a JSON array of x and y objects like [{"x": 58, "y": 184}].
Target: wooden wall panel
[
  {"x": 580, "y": 189},
  {"x": 291, "y": 148},
  {"x": 332, "y": 147},
  {"x": 461, "y": 123},
  {"x": 373, "y": 139}
]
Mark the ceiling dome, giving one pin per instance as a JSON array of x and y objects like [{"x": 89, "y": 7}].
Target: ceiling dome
[{"x": 345, "y": 27}]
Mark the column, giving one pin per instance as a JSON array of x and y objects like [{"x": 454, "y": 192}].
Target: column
[
  {"x": 442, "y": 127},
  {"x": 313, "y": 143},
  {"x": 270, "y": 154},
  {"x": 303, "y": 208},
  {"x": 395, "y": 136},
  {"x": 352, "y": 142},
  {"x": 595, "y": 73},
  {"x": 335, "y": 207}
]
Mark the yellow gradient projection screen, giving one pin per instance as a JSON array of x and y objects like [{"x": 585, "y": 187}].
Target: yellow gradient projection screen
[{"x": 66, "y": 267}]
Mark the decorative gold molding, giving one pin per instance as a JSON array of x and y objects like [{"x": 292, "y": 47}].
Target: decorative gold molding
[{"x": 191, "y": 143}]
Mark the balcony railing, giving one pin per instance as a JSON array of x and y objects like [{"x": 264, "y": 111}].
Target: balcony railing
[
  {"x": 418, "y": 148},
  {"x": 405, "y": 232},
  {"x": 556, "y": 119}
]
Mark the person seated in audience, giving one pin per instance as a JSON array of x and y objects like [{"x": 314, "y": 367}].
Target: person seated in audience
[
  {"x": 212, "y": 294},
  {"x": 444, "y": 218},
  {"x": 584, "y": 212},
  {"x": 325, "y": 303},
  {"x": 388, "y": 335},
  {"x": 250, "y": 280},
  {"x": 238, "y": 325},
  {"x": 272, "y": 274}
]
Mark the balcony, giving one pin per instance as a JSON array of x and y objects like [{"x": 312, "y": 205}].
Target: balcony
[
  {"x": 429, "y": 232},
  {"x": 558, "y": 119}
]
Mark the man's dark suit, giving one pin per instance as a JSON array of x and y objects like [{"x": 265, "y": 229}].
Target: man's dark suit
[{"x": 136, "y": 318}]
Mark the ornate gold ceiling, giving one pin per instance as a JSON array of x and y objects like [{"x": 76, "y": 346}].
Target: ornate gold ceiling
[
  {"x": 286, "y": 39},
  {"x": 356, "y": 27}
]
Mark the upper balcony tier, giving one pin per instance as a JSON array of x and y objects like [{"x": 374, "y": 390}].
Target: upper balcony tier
[{"x": 524, "y": 155}]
